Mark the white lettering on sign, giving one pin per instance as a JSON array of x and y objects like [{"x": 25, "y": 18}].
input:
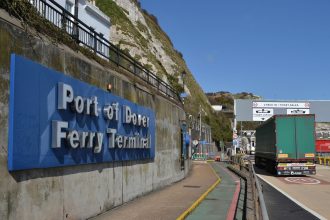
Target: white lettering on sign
[
  {"x": 302, "y": 111},
  {"x": 262, "y": 114},
  {"x": 75, "y": 138},
  {"x": 61, "y": 133},
  {"x": 110, "y": 111},
  {"x": 133, "y": 118},
  {"x": 66, "y": 98},
  {"x": 280, "y": 104}
]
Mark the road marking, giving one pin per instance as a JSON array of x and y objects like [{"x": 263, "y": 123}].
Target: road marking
[
  {"x": 292, "y": 199},
  {"x": 302, "y": 180}
]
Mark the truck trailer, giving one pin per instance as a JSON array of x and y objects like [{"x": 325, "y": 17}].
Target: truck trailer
[{"x": 286, "y": 145}]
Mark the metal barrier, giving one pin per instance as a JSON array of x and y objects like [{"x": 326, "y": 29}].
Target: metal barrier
[
  {"x": 87, "y": 36},
  {"x": 260, "y": 206},
  {"x": 323, "y": 160},
  {"x": 199, "y": 156}
]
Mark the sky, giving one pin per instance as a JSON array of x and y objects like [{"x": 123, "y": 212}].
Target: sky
[{"x": 277, "y": 49}]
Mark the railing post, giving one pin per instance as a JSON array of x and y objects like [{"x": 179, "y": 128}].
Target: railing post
[
  {"x": 117, "y": 53},
  {"x": 101, "y": 44},
  {"x": 44, "y": 10},
  {"x": 63, "y": 20},
  {"x": 75, "y": 23},
  {"x": 95, "y": 41},
  {"x": 134, "y": 66}
]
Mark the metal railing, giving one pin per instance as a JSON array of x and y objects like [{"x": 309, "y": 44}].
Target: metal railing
[
  {"x": 246, "y": 170},
  {"x": 261, "y": 210},
  {"x": 87, "y": 36}
]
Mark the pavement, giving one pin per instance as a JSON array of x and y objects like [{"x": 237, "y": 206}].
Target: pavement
[
  {"x": 220, "y": 203},
  {"x": 171, "y": 201},
  {"x": 312, "y": 193}
]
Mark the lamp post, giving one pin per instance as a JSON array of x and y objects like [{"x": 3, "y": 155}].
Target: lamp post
[
  {"x": 200, "y": 128},
  {"x": 183, "y": 95},
  {"x": 183, "y": 75}
]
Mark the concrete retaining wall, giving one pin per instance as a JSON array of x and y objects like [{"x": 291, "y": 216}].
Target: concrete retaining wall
[{"x": 79, "y": 192}]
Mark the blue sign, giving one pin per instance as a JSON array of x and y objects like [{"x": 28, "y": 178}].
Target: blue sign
[{"x": 55, "y": 120}]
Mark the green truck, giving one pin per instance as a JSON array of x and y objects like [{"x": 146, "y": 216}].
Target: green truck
[{"x": 285, "y": 145}]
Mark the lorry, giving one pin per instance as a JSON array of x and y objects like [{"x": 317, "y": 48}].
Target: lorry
[
  {"x": 322, "y": 143},
  {"x": 286, "y": 145}
]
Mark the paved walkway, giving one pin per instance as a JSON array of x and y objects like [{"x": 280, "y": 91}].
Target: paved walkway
[
  {"x": 218, "y": 203},
  {"x": 170, "y": 202}
]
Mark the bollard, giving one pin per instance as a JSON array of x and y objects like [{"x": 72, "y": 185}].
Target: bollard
[{"x": 327, "y": 160}]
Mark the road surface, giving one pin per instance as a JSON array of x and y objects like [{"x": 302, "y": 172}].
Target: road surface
[{"x": 312, "y": 193}]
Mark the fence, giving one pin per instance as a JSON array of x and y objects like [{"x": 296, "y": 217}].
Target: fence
[
  {"x": 86, "y": 36},
  {"x": 261, "y": 210},
  {"x": 246, "y": 170}
]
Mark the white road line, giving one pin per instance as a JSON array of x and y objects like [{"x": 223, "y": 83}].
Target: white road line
[{"x": 292, "y": 199}]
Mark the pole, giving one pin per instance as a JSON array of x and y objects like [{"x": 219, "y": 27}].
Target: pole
[
  {"x": 75, "y": 23},
  {"x": 200, "y": 129},
  {"x": 233, "y": 149}
]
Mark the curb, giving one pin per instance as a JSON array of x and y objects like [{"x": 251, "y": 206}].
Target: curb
[
  {"x": 233, "y": 205},
  {"x": 200, "y": 199}
]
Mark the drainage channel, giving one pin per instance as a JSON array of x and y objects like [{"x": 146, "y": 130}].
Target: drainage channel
[{"x": 241, "y": 205}]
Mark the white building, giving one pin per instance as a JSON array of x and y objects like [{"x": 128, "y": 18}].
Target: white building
[
  {"x": 88, "y": 13},
  {"x": 217, "y": 108}
]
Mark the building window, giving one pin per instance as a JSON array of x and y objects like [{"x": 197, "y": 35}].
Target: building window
[
  {"x": 69, "y": 20},
  {"x": 69, "y": 7}
]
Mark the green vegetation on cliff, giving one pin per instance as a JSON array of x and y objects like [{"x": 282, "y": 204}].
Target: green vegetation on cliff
[
  {"x": 226, "y": 99},
  {"x": 144, "y": 34}
]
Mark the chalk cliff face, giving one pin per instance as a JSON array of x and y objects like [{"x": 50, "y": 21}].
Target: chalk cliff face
[
  {"x": 154, "y": 45},
  {"x": 137, "y": 32}
]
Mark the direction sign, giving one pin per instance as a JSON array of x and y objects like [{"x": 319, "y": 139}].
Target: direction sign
[
  {"x": 297, "y": 111},
  {"x": 281, "y": 105},
  {"x": 262, "y": 114}
]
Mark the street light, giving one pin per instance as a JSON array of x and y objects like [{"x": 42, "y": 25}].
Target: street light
[
  {"x": 200, "y": 126},
  {"x": 183, "y": 95},
  {"x": 183, "y": 75}
]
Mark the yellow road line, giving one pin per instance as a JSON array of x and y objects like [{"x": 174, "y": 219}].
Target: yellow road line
[{"x": 200, "y": 199}]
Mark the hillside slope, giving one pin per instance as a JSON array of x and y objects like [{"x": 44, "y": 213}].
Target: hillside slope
[
  {"x": 226, "y": 99},
  {"x": 137, "y": 32}
]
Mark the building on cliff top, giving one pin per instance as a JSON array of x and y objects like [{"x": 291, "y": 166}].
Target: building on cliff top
[{"x": 87, "y": 12}]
